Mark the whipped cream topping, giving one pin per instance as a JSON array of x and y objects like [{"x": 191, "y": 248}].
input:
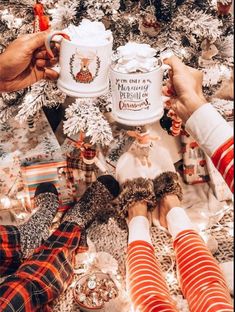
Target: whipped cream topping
[
  {"x": 89, "y": 33},
  {"x": 134, "y": 57}
]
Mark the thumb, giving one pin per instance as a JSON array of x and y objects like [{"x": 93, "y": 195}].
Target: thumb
[
  {"x": 174, "y": 62},
  {"x": 37, "y": 40},
  {"x": 50, "y": 74}
]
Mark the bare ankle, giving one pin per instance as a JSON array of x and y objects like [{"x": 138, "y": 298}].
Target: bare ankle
[
  {"x": 165, "y": 205},
  {"x": 137, "y": 209},
  {"x": 170, "y": 201}
]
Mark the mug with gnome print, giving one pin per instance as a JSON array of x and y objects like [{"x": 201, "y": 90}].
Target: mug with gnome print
[{"x": 85, "y": 58}]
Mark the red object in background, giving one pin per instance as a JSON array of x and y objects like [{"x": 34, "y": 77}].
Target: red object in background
[
  {"x": 41, "y": 21},
  {"x": 89, "y": 153},
  {"x": 176, "y": 123},
  {"x": 224, "y": 9},
  {"x": 193, "y": 145},
  {"x": 188, "y": 170},
  {"x": 202, "y": 163}
]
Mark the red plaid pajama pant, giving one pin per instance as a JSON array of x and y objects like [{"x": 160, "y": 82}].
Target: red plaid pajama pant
[
  {"x": 41, "y": 278},
  {"x": 44, "y": 276}
]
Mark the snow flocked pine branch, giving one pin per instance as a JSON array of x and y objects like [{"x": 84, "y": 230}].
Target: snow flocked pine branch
[
  {"x": 97, "y": 9},
  {"x": 225, "y": 2},
  {"x": 84, "y": 115},
  {"x": 62, "y": 13},
  {"x": 6, "y": 112},
  {"x": 199, "y": 24},
  {"x": 42, "y": 93}
]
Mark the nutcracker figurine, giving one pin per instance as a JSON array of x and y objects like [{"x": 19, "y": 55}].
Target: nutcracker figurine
[{"x": 86, "y": 166}]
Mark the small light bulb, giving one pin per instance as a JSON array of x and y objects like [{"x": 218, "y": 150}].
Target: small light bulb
[
  {"x": 183, "y": 52},
  {"x": 230, "y": 231},
  {"x": 6, "y": 202},
  {"x": 170, "y": 277}
]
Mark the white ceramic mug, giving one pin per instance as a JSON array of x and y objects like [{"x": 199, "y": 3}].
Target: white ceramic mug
[
  {"x": 84, "y": 70},
  {"x": 137, "y": 97}
]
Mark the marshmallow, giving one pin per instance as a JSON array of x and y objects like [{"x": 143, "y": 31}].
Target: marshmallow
[
  {"x": 89, "y": 33},
  {"x": 135, "y": 57}
]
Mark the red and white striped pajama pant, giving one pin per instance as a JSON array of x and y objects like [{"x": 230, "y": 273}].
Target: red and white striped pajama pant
[{"x": 201, "y": 279}]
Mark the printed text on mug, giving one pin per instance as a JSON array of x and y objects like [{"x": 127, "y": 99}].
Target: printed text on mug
[{"x": 133, "y": 94}]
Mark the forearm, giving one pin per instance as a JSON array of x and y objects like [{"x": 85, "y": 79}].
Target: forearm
[
  {"x": 2, "y": 66},
  {"x": 2, "y": 73},
  {"x": 215, "y": 137},
  {"x": 43, "y": 276}
]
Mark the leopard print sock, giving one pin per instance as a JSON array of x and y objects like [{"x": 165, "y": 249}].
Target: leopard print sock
[
  {"x": 37, "y": 228},
  {"x": 94, "y": 202}
]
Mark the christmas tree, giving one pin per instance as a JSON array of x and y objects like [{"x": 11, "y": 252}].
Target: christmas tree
[
  {"x": 187, "y": 28},
  {"x": 199, "y": 32}
]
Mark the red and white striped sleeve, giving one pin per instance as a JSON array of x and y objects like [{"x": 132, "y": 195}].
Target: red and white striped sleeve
[{"x": 215, "y": 136}]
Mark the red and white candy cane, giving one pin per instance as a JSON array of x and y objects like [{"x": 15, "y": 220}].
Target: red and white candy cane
[{"x": 176, "y": 123}]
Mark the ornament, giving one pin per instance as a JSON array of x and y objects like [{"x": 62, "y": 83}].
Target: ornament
[
  {"x": 224, "y": 7},
  {"x": 86, "y": 167},
  {"x": 149, "y": 25},
  {"x": 209, "y": 50},
  {"x": 41, "y": 21},
  {"x": 226, "y": 90},
  {"x": 31, "y": 123},
  {"x": 142, "y": 145},
  {"x": 166, "y": 121},
  {"x": 170, "y": 121},
  {"x": 175, "y": 129}
]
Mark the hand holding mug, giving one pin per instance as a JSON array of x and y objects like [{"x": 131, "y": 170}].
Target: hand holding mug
[
  {"x": 25, "y": 61},
  {"x": 184, "y": 87}
]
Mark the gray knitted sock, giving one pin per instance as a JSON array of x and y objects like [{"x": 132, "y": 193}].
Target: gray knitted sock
[
  {"x": 94, "y": 203},
  {"x": 36, "y": 229}
]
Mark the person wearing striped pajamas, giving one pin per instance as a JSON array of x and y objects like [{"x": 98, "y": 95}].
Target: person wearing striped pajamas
[
  {"x": 201, "y": 280},
  {"x": 202, "y": 121}
]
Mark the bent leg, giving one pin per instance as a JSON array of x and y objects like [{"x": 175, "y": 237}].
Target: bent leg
[
  {"x": 202, "y": 282},
  {"x": 10, "y": 251},
  {"x": 146, "y": 284},
  {"x": 45, "y": 275}
]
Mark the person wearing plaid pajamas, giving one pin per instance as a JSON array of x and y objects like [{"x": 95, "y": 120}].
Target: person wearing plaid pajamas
[{"x": 48, "y": 269}]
